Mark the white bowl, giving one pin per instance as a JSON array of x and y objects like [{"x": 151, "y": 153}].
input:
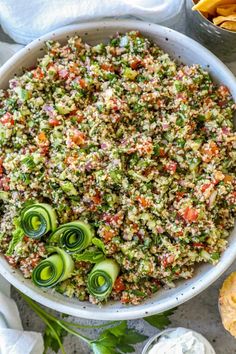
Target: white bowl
[{"x": 183, "y": 49}]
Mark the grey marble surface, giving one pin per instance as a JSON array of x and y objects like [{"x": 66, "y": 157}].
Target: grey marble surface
[{"x": 200, "y": 314}]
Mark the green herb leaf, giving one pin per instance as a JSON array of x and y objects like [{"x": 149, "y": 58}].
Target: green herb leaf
[
  {"x": 28, "y": 161},
  {"x": 160, "y": 321},
  {"x": 97, "y": 242},
  {"x": 133, "y": 337},
  {"x": 17, "y": 236},
  {"x": 130, "y": 338},
  {"x": 126, "y": 348},
  {"x": 101, "y": 349},
  {"x": 50, "y": 340},
  {"x": 90, "y": 256},
  {"x": 118, "y": 339},
  {"x": 118, "y": 330}
]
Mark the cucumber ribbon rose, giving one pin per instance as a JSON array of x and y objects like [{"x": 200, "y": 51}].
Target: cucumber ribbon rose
[
  {"x": 38, "y": 219},
  {"x": 73, "y": 237},
  {"x": 54, "y": 269},
  {"x": 102, "y": 278}
]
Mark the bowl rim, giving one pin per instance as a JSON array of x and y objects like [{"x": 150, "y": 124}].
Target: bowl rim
[{"x": 142, "y": 310}]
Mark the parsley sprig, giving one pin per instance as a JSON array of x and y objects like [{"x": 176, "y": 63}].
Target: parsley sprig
[{"x": 116, "y": 339}]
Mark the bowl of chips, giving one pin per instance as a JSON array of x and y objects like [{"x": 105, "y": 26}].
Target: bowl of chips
[{"x": 213, "y": 23}]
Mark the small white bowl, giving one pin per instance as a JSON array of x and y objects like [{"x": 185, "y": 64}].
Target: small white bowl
[
  {"x": 153, "y": 340},
  {"x": 185, "y": 50}
]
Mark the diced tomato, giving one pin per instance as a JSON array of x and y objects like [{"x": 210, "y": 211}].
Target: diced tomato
[
  {"x": 162, "y": 152},
  {"x": 44, "y": 150},
  {"x": 125, "y": 298},
  {"x": 96, "y": 198},
  {"x": 38, "y": 73},
  {"x": 208, "y": 101},
  {"x": 7, "y": 118},
  {"x": 135, "y": 227},
  {"x": 71, "y": 160},
  {"x": 205, "y": 187},
  {"x": 143, "y": 201},
  {"x": 42, "y": 137},
  {"x": 54, "y": 122},
  {"x": 179, "y": 233},
  {"x": 119, "y": 285},
  {"x": 32, "y": 148},
  {"x": 147, "y": 147},
  {"x": 76, "y": 115},
  {"x": 53, "y": 51},
  {"x": 214, "y": 148},
  {"x": 108, "y": 67},
  {"x": 223, "y": 90},
  {"x": 190, "y": 214},
  {"x": 80, "y": 117},
  {"x": 209, "y": 150},
  {"x": 78, "y": 137},
  {"x": 114, "y": 105},
  {"x": 179, "y": 196},
  {"x": 148, "y": 171},
  {"x": 198, "y": 244},
  {"x": 135, "y": 63},
  {"x": 171, "y": 167},
  {"x": 222, "y": 103},
  {"x": 164, "y": 263},
  {"x": 73, "y": 68},
  {"x": 108, "y": 235},
  {"x": 82, "y": 83},
  {"x": 4, "y": 183},
  {"x": 160, "y": 103}
]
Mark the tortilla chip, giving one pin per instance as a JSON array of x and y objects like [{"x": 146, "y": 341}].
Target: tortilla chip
[
  {"x": 218, "y": 20},
  {"x": 205, "y": 14},
  {"x": 226, "y": 10},
  {"x": 229, "y": 25},
  {"x": 211, "y": 5}
]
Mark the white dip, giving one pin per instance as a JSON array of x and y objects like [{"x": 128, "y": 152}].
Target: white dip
[{"x": 181, "y": 341}]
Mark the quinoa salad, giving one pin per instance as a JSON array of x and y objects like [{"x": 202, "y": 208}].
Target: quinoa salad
[{"x": 116, "y": 169}]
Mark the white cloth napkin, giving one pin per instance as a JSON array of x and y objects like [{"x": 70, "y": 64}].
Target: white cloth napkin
[
  {"x": 13, "y": 339},
  {"x": 25, "y": 20}
]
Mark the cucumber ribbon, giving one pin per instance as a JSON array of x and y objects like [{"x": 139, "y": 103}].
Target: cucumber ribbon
[
  {"x": 102, "y": 278},
  {"x": 73, "y": 237},
  {"x": 38, "y": 219},
  {"x": 54, "y": 269}
]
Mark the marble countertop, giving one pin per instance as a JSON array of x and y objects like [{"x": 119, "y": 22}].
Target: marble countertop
[{"x": 200, "y": 314}]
